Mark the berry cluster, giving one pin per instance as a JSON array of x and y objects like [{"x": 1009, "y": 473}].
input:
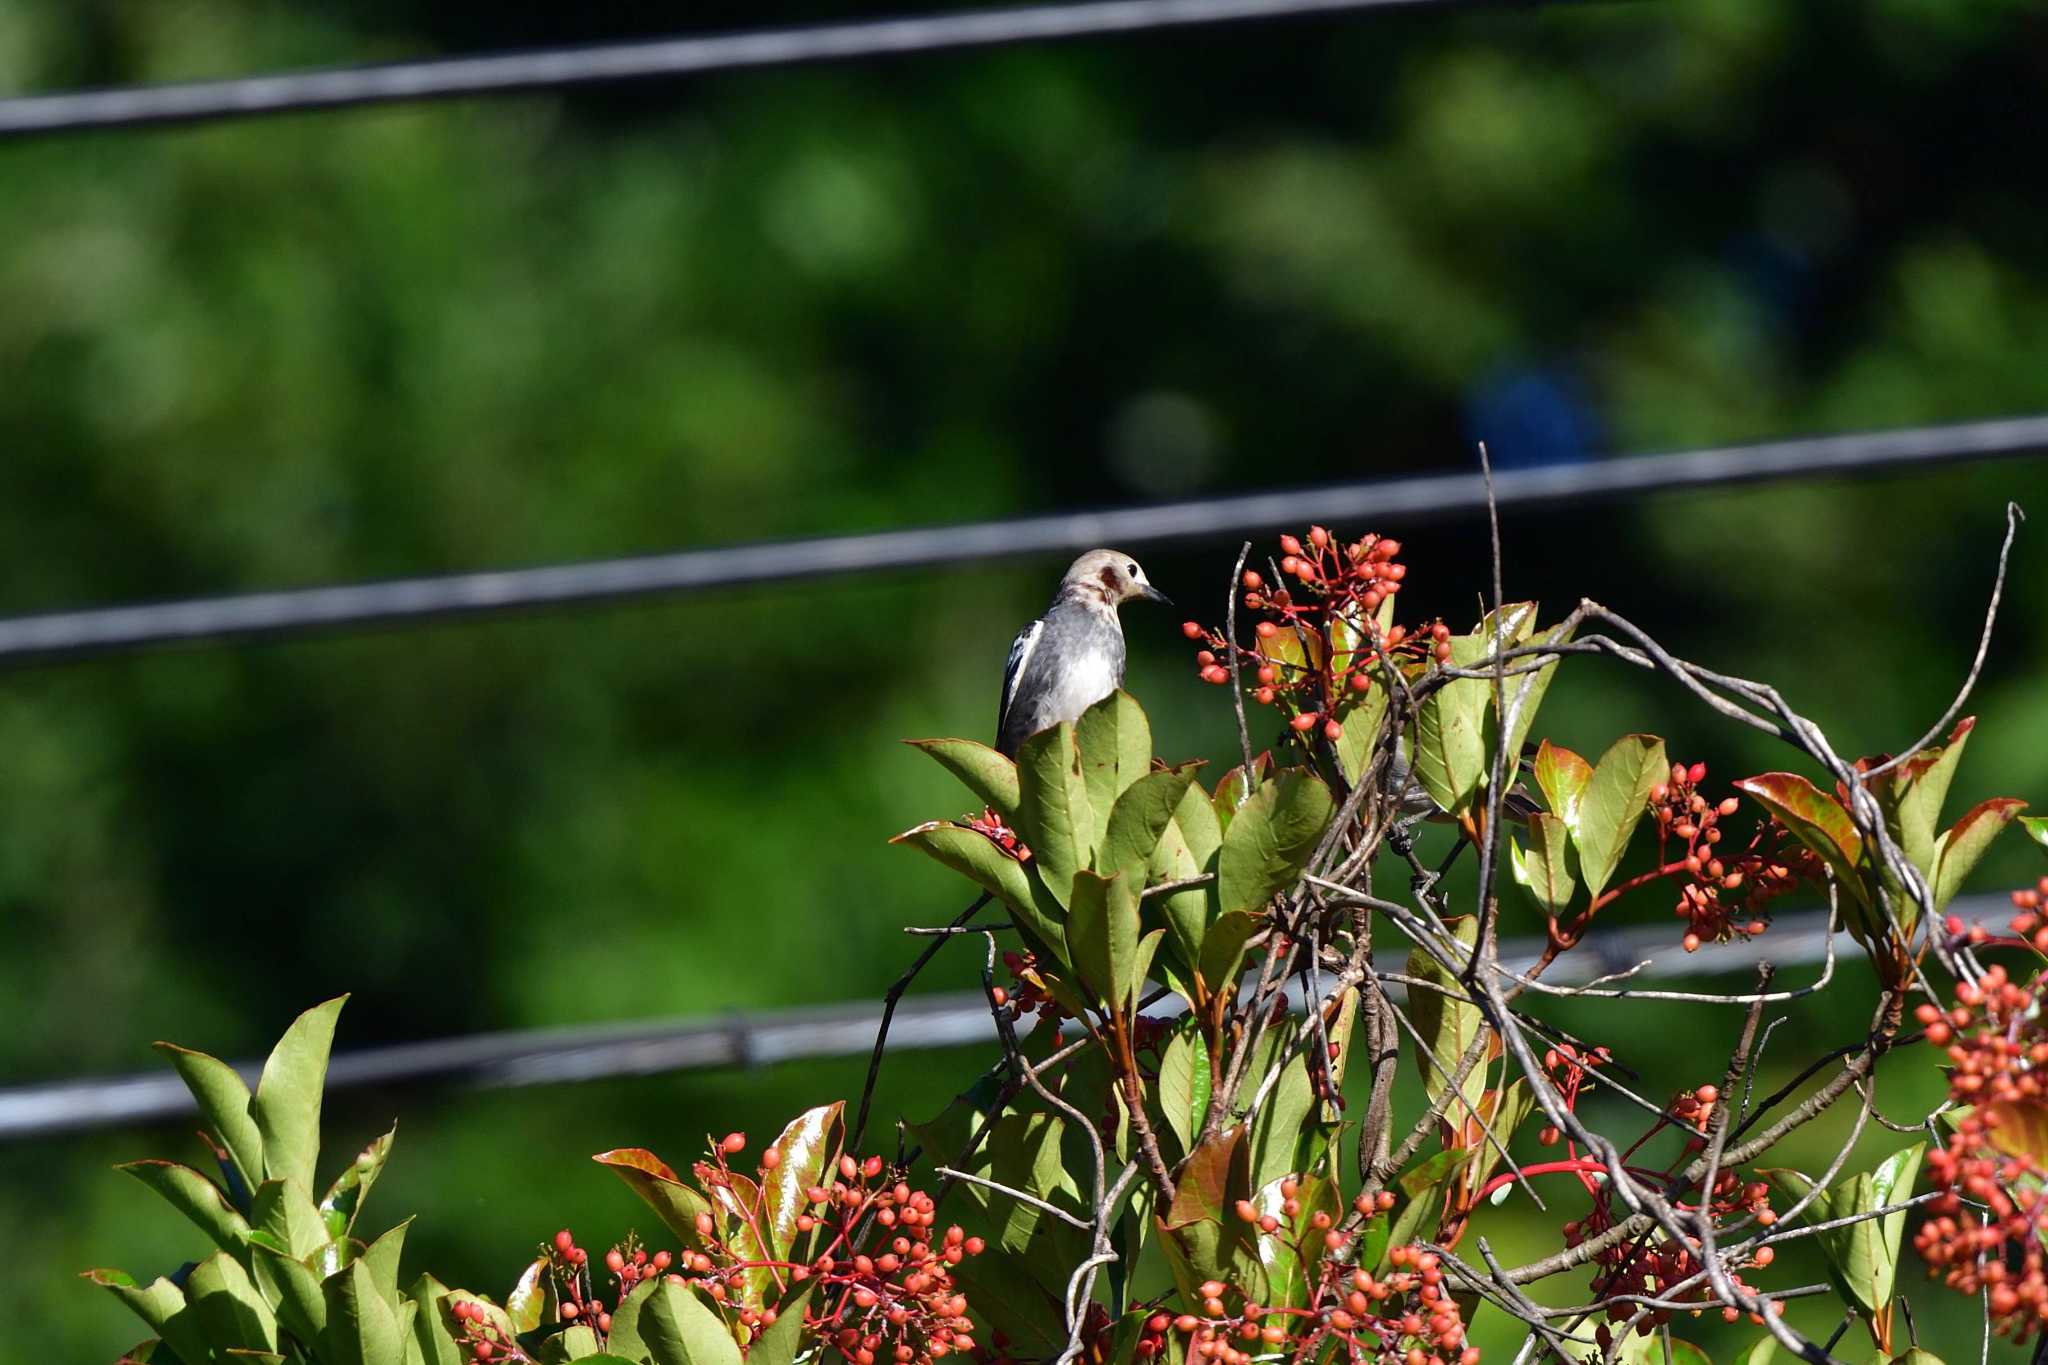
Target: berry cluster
[
  {"x": 1570, "y": 1069},
  {"x": 567, "y": 1268},
  {"x": 1727, "y": 893},
  {"x": 481, "y": 1333},
  {"x": 1407, "y": 1317},
  {"x": 990, "y": 826},
  {"x": 1030, "y": 995},
  {"x": 1320, "y": 651},
  {"x": 2031, "y": 923},
  {"x": 886, "y": 1289},
  {"x": 1987, "y": 1224}
]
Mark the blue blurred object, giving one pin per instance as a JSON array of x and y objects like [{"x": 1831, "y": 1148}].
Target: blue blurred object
[{"x": 1531, "y": 416}]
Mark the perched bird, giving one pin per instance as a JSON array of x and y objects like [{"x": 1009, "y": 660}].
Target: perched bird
[{"x": 1073, "y": 656}]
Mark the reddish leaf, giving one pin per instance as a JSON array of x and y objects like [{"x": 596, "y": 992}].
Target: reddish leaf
[
  {"x": 1203, "y": 1192},
  {"x": 1816, "y": 820},
  {"x": 2018, "y": 1130},
  {"x": 1959, "y": 850},
  {"x": 1563, "y": 776},
  {"x": 805, "y": 1148},
  {"x": 739, "y": 1200},
  {"x": 652, "y": 1179}
]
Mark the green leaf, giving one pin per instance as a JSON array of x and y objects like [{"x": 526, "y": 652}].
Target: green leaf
[
  {"x": 1562, "y": 775},
  {"x": 1917, "y": 1356},
  {"x": 285, "y": 1211},
  {"x": 1015, "y": 1303},
  {"x": 362, "y": 1329},
  {"x": 1614, "y": 801},
  {"x": 1281, "y": 1141},
  {"x": 1024, "y": 1153},
  {"x": 679, "y": 1330},
  {"x": 295, "y": 1287},
  {"x": 1759, "y": 1352},
  {"x": 2036, "y": 827},
  {"x": 228, "y": 1306},
  {"x": 1115, "y": 741},
  {"x": 807, "y": 1146},
  {"x": 286, "y": 1105},
  {"x": 1270, "y": 840},
  {"x": 1362, "y": 720},
  {"x": 1223, "y": 949},
  {"x": 432, "y": 1333},
  {"x": 1542, "y": 871},
  {"x": 1102, "y": 935},
  {"x": 1818, "y": 821},
  {"x": 1184, "y": 1082},
  {"x": 624, "y": 1338},
  {"x": 344, "y": 1198},
  {"x": 994, "y": 871},
  {"x": 1912, "y": 795},
  {"x": 779, "y": 1344},
  {"x": 989, "y": 775},
  {"x": 1236, "y": 788},
  {"x": 1448, "y": 755},
  {"x": 1526, "y": 691},
  {"x": 648, "y": 1176},
  {"x": 380, "y": 1258},
  {"x": 1446, "y": 1024},
  {"x": 1960, "y": 848},
  {"x": 1053, "y": 813},
  {"x": 1504, "y": 1111},
  {"x": 575, "y": 1343},
  {"x": 1863, "y": 1257},
  {"x": 734, "y": 1197},
  {"x": 1139, "y": 820},
  {"x": 199, "y": 1199},
  {"x": 527, "y": 1304},
  {"x": 1187, "y": 848},
  {"x": 1288, "y": 1259},
  {"x": 223, "y": 1099},
  {"x": 156, "y": 1305}
]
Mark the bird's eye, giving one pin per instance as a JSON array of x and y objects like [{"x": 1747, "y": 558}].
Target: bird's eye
[{"x": 1133, "y": 571}]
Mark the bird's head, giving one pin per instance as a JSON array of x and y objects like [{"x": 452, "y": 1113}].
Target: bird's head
[{"x": 1112, "y": 577}]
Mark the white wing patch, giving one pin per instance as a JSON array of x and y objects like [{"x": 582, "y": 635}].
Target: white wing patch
[{"x": 1013, "y": 671}]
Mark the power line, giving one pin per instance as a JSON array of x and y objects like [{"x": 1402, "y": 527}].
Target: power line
[
  {"x": 954, "y": 1019},
  {"x": 58, "y": 636},
  {"x": 556, "y": 68}
]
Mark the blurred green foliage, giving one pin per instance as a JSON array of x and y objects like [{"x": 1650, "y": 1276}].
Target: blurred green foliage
[{"x": 348, "y": 345}]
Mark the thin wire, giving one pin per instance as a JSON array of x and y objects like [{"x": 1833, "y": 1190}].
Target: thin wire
[
  {"x": 556, "y": 68},
  {"x": 60, "y": 636},
  {"x": 663, "y": 1047}
]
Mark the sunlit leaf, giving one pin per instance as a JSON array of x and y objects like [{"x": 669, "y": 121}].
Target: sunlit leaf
[
  {"x": 648, "y": 1176},
  {"x": 2036, "y": 827},
  {"x": 980, "y": 861},
  {"x": 1102, "y": 935},
  {"x": 1361, "y": 718},
  {"x": 1912, "y": 795},
  {"x": 1053, "y": 812},
  {"x": 230, "y": 1309},
  {"x": 1818, "y": 821},
  {"x": 1115, "y": 743},
  {"x": 293, "y": 1286},
  {"x": 1562, "y": 776},
  {"x": 1271, "y": 839},
  {"x": 1613, "y": 804},
  {"x": 223, "y": 1100},
  {"x": 1523, "y": 693},
  {"x": 1447, "y": 754},
  {"x": 1223, "y": 949},
  {"x": 1863, "y": 1256},
  {"x": 362, "y": 1329},
  {"x": 1960, "y": 848},
  {"x": 527, "y": 1304},
  {"x": 1139, "y": 820},
  {"x": 779, "y": 1344},
  {"x": 286, "y": 1105},
  {"x": 1236, "y": 788},
  {"x": 1203, "y": 1192},
  {"x": 1289, "y": 1258},
  {"x": 1184, "y": 1082},
  {"x": 1447, "y": 1023},
  {"x": 806, "y": 1147},
  {"x": 989, "y": 775},
  {"x": 344, "y": 1198},
  {"x": 199, "y": 1199},
  {"x": 575, "y": 1343},
  {"x": 1422, "y": 1185},
  {"x": 1542, "y": 870},
  {"x": 678, "y": 1329}
]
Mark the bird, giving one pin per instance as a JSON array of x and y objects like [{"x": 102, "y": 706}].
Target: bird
[{"x": 1073, "y": 656}]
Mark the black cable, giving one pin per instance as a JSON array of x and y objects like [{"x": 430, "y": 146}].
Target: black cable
[
  {"x": 1389, "y": 504},
  {"x": 444, "y": 78},
  {"x": 953, "y": 1019}
]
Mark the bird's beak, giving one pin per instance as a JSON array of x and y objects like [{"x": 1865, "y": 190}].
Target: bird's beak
[{"x": 1147, "y": 590}]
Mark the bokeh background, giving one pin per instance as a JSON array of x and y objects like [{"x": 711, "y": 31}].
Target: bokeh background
[{"x": 782, "y": 303}]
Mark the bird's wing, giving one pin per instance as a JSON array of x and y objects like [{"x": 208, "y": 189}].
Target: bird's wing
[{"x": 1013, "y": 671}]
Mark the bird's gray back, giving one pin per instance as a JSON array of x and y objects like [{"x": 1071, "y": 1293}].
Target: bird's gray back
[{"x": 1065, "y": 662}]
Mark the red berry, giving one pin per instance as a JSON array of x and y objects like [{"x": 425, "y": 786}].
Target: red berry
[
  {"x": 1264, "y": 695},
  {"x": 734, "y": 1143},
  {"x": 1361, "y": 682},
  {"x": 569, "y": 1312},
  {"x": 1303, "y": 724},
  {"x": 1252, "y": 579},
  {"x": 1191, "y": 629},
  {"x": 1318, "y": 537},
  {"x": 1332, "y": 731},
  {"x": 563, "y": 1241},
  {"x": 1266, "y": 630},
  {"x": 614, "y": 1261},
  {"x": 1290, "y": 545},
  {"x": 770, "y": 1159},
  {"x": 1290, "y": 565}
]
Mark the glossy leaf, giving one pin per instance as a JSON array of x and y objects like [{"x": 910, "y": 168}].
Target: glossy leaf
[
  {"x": 1912, "y": 795},
  {"x": 1613, "y": 803},
  {"x": 228, "y": 1306},
  {"x": 1236, "y": 788},
  {"x": 989, "y": 775},
  {"x": 678, "y": 1329},
  {"x": 1186, "y": 913},
  {"x": 2036, "y": 827},
  {"x": 198, "y": 1198},
  {"x": 1203, "y": 1192},
  {"x": 1053, "y": 812},
  {"x": 994, "y": 871},
  {"x": 1115, "y": 742},
  {"x": 648, "y": 1176},
  {"x": 1542, "y": 870},
  {"x": 807, "y": 1146},
  {"x": 286, "y": 1105},
  {"x": 344, "y": 1198},
  {"x": 156, "y": 1304},
  {"x": 1289, "y": 1258},
  {"x": 1102, "y": 935},
  {"x": 1562, "y": 775},
  {"x": 1959, "y": 849},
  {"x": 1818, "y": 821},
  {"x": 1447, "y": 754},
  {"x": 733, "y": 1196},
  {"x": 527, "y": 1304},
  {"x": 1139, "y": 820},
  {"x": 1270, "y": 840},
  {"x": 362, "y": 1329},
  {"x": 779, "y": 1344},
  {"x": 1524, "y": 693},
  {"x": 223, "y": 1099}
]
